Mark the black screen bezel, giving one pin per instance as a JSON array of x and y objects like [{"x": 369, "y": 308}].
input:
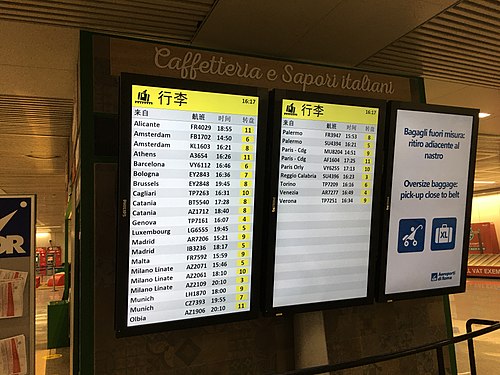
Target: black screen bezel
[
  {"x": 389, "y": 162},
  {"x": 277, "y": 96},
  {"x": 123, "y": 250}
]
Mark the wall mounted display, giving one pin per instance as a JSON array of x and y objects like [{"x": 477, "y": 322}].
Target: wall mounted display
[
  {"x": 325, "y": 184},
  {"x": 190, "y": 163},
  {"x": 430, "y": 169}
]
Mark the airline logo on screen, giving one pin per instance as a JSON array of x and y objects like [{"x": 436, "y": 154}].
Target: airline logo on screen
[
  {"x": 152, "y": 97},
  {"x": 301, "y": 110},
  {"x": 442, "y": 276},
  {"x": 15, "y": 227}
]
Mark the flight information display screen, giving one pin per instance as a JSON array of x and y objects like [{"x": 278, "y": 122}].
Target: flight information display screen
[
  {"x": 188, "y": 202},
  {"x": 326, "y": 189}
]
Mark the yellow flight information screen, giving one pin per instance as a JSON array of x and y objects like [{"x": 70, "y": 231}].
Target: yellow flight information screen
[{"x": 192, "y": 184}]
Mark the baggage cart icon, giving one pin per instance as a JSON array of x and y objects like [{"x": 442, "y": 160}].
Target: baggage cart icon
[{"x": 411, "y": 236}]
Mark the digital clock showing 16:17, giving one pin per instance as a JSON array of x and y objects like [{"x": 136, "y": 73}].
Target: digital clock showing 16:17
[{"x": 248, "y": 101}]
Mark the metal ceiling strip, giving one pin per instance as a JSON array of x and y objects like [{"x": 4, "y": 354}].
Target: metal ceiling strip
[
  {"x": 447, "y": 45},
  {"x": 424, "y": 66},
  {"x": 467, "y": 18},
  {"x": 392, "y": 68},
  {"x": 130, "y": 7},
  {"x": 61, "y": 108},
  {"x": 58, "y": 131},
  {"x": 472, "y": 35},
  {"x": 471, "y": 23},
  {"x": 451, "y": 59},
  {"x": 485, "y": 14},
  {"x": 178, "y": 9},
  {"x": 455, "y": 23},
  {"x": 35, "y": 99},
  {"x": 187, "y": 5},
  {"x": 36, "y": 107},
  {"x": 90, "y": 27},
  {"x": 461, "y": 40},
  {"x": 129, "y": 24},
  {"x": 33, "y": 127},
  {"x": 34, "y": 117},
  {"x": 492, "y": 9},
  {"x": 28, "y": 102},
  {"x": 444, "y": 54},
  {"x": 84, "y": 12},
  {"x": 32, "y": 124}
]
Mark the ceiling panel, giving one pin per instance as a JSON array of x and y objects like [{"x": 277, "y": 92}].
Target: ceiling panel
[
  {"x": 340, "y": 32},
  {"x": 40, "y": 116},
  {"x": 35, "y": 137},
  {"x": 173, "y": 20},
  {"x": 462, "y": 44},
  {"x": 280, "y": 25}
]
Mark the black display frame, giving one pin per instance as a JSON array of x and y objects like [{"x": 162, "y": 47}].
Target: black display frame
[
  {"x": 393, "y": 107},
  {"x": 127, "y": 80},
  {"x": 276, "y": 98}
]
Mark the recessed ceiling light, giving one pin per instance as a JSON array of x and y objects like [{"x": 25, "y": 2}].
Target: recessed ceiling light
[
  {"x": 485, "y": 182},
  {"x": 484, "y": 114}
]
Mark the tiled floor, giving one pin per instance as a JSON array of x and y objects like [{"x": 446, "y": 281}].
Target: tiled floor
[
  {"x": 482, "y": 301},
  {"x": 53, "y": 361}
]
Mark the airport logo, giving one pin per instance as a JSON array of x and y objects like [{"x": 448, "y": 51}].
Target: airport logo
[
  {"x": 442, "y": 276},
  {"x": 15, "y": 227}
]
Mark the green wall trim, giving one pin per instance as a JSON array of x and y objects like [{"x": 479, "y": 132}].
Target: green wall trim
[
  {"x": 86, "y": 287},
  {"x": 67, "y": 220}
]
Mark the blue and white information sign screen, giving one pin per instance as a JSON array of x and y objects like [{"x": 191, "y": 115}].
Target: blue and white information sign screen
[
  {"x": 15, "y": 227},
  {"x": 428, "y": 200}
]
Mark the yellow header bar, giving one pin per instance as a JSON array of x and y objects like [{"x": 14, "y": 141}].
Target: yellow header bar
[
  {"x": 297, "y": 109},
  {"x": 195, "y": 101}
]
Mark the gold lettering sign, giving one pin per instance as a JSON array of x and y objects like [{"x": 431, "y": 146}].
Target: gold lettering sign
[{"x": 179, "y": 62}]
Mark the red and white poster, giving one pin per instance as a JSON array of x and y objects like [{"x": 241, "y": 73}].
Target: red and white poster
[
  {"x": 12, "y": 285},
  {"x": 13, "y": 356}
]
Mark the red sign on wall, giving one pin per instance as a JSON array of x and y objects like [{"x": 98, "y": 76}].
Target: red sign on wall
[
  {"x": 483, "y": 271},
  {"x": 483, "y": 239}
]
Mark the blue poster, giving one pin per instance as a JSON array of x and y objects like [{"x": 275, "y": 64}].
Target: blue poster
[{"x": 15, "y": 226}]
